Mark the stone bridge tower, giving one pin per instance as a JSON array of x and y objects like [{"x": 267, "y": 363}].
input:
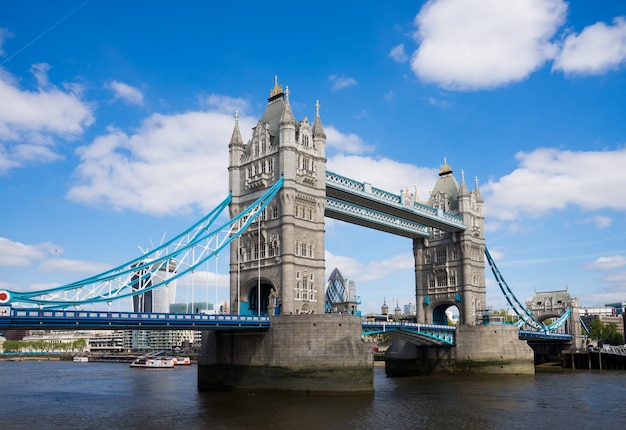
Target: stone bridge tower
[
  {"x": 450, "y": 267},
  {"x": 277, "y": 265}
]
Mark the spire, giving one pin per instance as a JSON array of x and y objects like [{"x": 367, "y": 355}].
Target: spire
[
  {"x": 236, "y": 137},
  {"x": 479, "y": 198},
  {"x": 318, "y": 129},
  {"x": 445, "y": 169},
  {"x": 276, "y": 91},
  {"x": 287, "y": 115},
  {"x": 463, "y": 188}
]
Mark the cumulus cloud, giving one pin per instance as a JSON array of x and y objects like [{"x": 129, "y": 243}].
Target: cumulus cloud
[
  {"x": 356, "y": 270},
  {"x": 341, "y": 82},
  {"x": 600, "y": 221},
  {"x": 597, "y": 49},
  {"x": 73, "y": 266},
  {"x": 398, "y": 55},
  {"x": 349, "y": 143},
  {"x": 32, "y": 121},
  {"x": 16, "y": 254},
  {"x": 171, "y": 164},
  {"x": 550, "y": 179},
  {"x": 125, "y": 92},
  {"x": 607, "y": 263},
  {"x": 483, "y": 44}
]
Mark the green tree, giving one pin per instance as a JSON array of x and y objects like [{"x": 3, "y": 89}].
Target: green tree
[{"x": 605, "y": 333}]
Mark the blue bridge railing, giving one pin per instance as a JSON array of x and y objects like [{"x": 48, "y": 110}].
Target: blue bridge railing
[{"x": 11, "y": 318}]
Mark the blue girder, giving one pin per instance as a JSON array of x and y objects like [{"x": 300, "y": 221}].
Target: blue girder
[
  {"x": 79, "y": 319},
  {"x": 423, "y": 334}
]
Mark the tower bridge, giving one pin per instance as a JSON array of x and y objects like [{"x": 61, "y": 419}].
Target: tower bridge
[{"x": 279, "y": 195}]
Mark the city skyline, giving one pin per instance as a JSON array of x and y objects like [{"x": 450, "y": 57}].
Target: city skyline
[{"x": 115, "y": 123}]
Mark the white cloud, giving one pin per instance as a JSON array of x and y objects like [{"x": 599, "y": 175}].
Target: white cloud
[
  {"x": 597, "y": 49},
  {"x": 31, "y": 121},
  {"x": 171, "y": 164},
  {"x": 550, "y": 179},
  {"x": 340, "y": 82},
  {"x": 600, "y": 221},
  {"x": 129, "y": 94},
  {"x": 345, "y": 143},
  {"x": 607, "y": 263},
  {"x": 73, "y": 266},
  {"x": 384, "y": 173},
  {"x": 4, "y": 35},
  {"x": 482, "y": 44},
  {"x": 398, "y": 55},
  {"x": 356, "y": 270},
  {"x": 16, "y": 254}
]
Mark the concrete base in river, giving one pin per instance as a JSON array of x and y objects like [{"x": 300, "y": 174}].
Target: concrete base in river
[
  {"x": 479, "y": 349},
  {"x": 307, "y": 353}
]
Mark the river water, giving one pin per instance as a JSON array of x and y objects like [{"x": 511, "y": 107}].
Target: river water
[{"x": 64, "y": 395}]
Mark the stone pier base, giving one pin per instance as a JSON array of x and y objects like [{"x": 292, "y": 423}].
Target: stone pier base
[
  {"x": 307, "y": 353},
  {"x": 479, "y": 349}
]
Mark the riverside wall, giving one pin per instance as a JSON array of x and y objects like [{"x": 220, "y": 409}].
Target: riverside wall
[
  {"x": 479, "y": 349},
  {"x": 306, "y": 353}
]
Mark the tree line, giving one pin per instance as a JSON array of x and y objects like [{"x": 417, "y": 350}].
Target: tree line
[{"x": 46, "y": 346}]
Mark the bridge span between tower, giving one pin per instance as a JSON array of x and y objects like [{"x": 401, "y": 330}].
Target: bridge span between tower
[{"x": 362, "y": 204}]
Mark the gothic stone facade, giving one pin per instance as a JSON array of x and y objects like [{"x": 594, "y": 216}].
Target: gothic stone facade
[
  {"x": 277, "y": 265},
  {"x": 450, "y": 267}
]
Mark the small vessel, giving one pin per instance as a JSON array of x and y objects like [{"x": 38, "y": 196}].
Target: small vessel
[
  {"x": 80, "y": 359},
  {"x": 150, "y": 362},
  {"x": 178, "y": 361}
]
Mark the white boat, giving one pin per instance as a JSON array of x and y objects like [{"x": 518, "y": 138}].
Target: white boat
[
  {"x": 79, "y": 359},
  {"x": 178, "y": 361},
  {"x": 148, "y": 362}
]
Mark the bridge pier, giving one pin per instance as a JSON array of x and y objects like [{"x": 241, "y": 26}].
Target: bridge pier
[
  {"x": 305, "y": 353},
  {"x": 478, "y": 349}
]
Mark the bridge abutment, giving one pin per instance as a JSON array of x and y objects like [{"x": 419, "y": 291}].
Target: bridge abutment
[
  {"x": 478, "y": 349},
  {"x": 306, "y": 353}
]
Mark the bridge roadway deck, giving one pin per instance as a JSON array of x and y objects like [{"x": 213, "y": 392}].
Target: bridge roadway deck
[
  {"x": 32, "y": 319},
  {"x": 106, "y": 320}
]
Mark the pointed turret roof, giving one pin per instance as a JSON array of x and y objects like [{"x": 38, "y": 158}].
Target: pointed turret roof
[
  {"x": 479, "y": 197},
  {"x": 287, "y": 115},
  {"x": 318, "y": 129},
  {"x": 236, "y": 137}
]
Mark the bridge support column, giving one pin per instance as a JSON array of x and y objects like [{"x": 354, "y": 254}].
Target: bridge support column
[
  {"x": 307, "y": 353},
  {"x": 478, "y": 349}
]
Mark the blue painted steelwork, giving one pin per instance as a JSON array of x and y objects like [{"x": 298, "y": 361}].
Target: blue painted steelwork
[
  {"x": 346, "y": 211},
  {"x": 537, "y": 335},
  {"x": 75, "y": 319},
  {"x": 363, "y": 194},
  {"x": 172, "y": 260},
  {"x": 526, "y": 317},
  {"x": 424, "y": 333}
]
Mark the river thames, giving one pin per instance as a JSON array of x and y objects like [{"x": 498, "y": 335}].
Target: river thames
[{"x": 57, "y": 394}]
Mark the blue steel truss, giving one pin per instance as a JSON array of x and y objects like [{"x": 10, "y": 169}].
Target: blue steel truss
[
  {"x": 422, "y": 334},
  {"x": 364, "y": 195},
  {"x": 166, "y": 263},
  {"x": 526, "y": 318},
  {"x": 346, "y": 211}
]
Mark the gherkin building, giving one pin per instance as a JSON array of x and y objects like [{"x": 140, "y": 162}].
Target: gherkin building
[{"x": 335, "y": 290}]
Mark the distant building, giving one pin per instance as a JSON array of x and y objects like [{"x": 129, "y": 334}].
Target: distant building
[
  {"x": 340, "y": 297},
  {"x": 158, "y": 299},
  {"x": 409, "y": 309}
]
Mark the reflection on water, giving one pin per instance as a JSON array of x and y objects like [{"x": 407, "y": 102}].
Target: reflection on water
[{"x": 111, "y": 396}]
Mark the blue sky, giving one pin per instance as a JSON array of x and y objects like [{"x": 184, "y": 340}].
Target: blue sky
[{"x": 115, "y": 119}]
